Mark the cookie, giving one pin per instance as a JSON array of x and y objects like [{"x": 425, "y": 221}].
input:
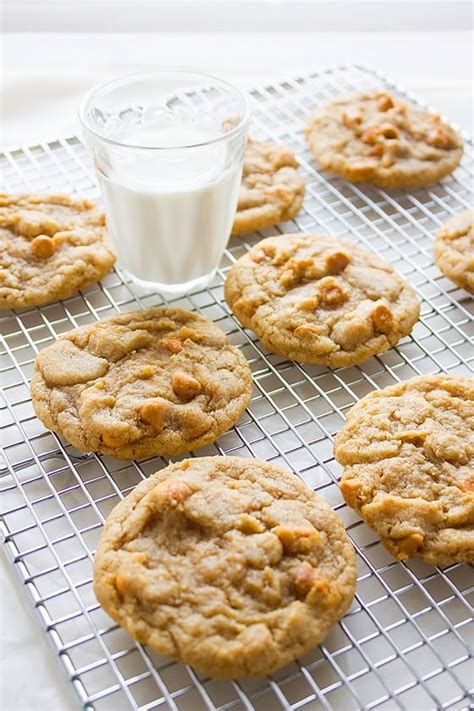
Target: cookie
[
  {"x": 50, "y": 247},
  {"x": 454, "y": 250},
  {"x": 408, "y": 456},
  {"x": 161, "y": 381},
  {"x": 320, "y": 299},
  {"x": 231, "y": 565},
  {"x": 381, "y": 139},
  {"x": 272, "y": 190}
]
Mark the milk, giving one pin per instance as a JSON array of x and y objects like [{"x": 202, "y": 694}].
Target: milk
[{"x": 170, "y": 212}]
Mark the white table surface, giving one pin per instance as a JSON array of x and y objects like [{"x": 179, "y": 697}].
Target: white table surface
[{"x": 43, "y": 78}]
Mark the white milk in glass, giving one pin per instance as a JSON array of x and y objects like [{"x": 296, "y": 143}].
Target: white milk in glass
[{"x": 170, "y": 212}]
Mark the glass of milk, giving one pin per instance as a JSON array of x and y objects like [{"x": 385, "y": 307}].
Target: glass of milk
[{"x": 168, "y": 148}]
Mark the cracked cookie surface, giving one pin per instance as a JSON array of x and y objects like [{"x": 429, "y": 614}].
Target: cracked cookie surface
[
  {"x": 408, "y": 457},
  {"x": 379, "y": 138},
  {"x": 454, "y": 250},
  {"x": 320, "y": 299},
  {"x": 161, "y": 381},
  {"x": 272, "y": 189},
  {"x": 231, "y": 565},
  {"x": 50, "y": 247}
]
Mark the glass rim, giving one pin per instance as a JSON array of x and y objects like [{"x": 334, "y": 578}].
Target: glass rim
[{"x": 85, "y": 101}]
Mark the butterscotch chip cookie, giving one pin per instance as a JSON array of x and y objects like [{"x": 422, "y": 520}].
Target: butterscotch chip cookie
[
  {"x": 408, "y": 456},
  {"x": 454, "y": 250},
  {"x": 272, "y": 190},
  {"x": 232, "y": 565},
  {"x": 379, "y": 138},
  {"x": 156, "y": 382},
  {"x": 50, "y": 247},
  {"x": 320, "y": 299}
]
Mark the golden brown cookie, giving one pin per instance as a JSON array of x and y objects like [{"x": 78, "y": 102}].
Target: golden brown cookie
[
  {"x": 379, "y": 138},
  {"x": 320, "y": 299},
  {"x": 454, "y": 250},
  {"x": 408, "y": 456},
  {"x": 161, "y": 381},
  {"x": 272, "y": 190},
  {"x": 232, "y": 565},
  {"x": 50, "y": 247}
]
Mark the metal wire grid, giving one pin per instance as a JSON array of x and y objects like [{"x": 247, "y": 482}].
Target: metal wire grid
[{"x": 404, "y": 643}]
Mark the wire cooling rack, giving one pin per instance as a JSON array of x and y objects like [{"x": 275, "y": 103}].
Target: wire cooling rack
[{"x": 404, "y": 643}]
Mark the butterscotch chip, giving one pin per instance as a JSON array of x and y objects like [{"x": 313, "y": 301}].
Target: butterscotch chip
[
  {"x": 408, "y": 456},
  {"x": 388, "y": 130},
  {"x": 147, "y": 372},
  {"x": 173, "y": 345},
  {"x": 249, "y": 524},
  {"x": 454, "y": 250},
  {"x": 305, "y": 578},
  {"x": 439, "y": 138},
  {"x": 382, "y": 318},
  {"x": 370, "y": 136},
  {"x": 43, "y": 246},
  {"x": 331, "y": 292},
  {"x": 393, "y": 145},
  {"x": 378, "y": 150},
  {"x": 217, "y": 589},
  {"x": 321, "y": 299},
  {"x": 154, "y": 412},
  {"x": 112, "y": 386},
  {"x": 268, "y": 250},
  {"x": 297, "y": 539},
  {"x": 169, "y": 493},
  {"x": 363, "y": 168},
  {"x": 468, "y": 484},
  {"x": 257, "y": 255},
  {"x": 385, "y": 102},
  {"x": 50, "y": 247},
  {"x": 309, "y": 304},
  {"x": 122, "y": 583},
  {"x": 351, "y": 119},
  {"x": 185, "y": 386},
  {"x": 295, "y": 271},
  {"x": 178, "y": 491},
  {"x": 272, "y": 190},
  {"x": 336, "y": 262},
  {"x": 288, "y": 278}
]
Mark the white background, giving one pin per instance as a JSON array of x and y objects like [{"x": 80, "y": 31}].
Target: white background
[
  {"x": 425, "y": 44},
  {"x": 52, "y": 52}
]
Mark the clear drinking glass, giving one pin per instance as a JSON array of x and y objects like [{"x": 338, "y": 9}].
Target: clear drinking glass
[{"x": 168, "y": 148}]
